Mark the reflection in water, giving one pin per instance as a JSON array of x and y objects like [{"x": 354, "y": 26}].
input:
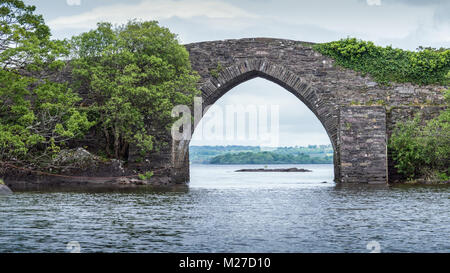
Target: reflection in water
[{"x": 226, "y": 211}]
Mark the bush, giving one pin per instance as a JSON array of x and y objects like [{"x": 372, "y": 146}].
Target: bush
[
  {"x": 388, "y": 64},
  {"x": 146, "y": 176},
  {"x": 423, "y": 150}
]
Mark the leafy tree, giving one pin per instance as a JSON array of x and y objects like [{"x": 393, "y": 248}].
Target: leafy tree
[
  {"x": 37, "y": 115},
  {"x": 25, "y": 39},
  {"x": 135, "y": 74}
]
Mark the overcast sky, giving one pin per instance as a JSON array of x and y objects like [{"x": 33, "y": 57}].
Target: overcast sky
[{"x": 402, "y": 23}]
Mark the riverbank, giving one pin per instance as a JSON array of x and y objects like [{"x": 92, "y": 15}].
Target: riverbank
[
  {"x": 426, "y": 182},
  {"x": 95, "y": 180},
  {"x": 111, "y": 176},
  {"x": 88, "y": 185}
]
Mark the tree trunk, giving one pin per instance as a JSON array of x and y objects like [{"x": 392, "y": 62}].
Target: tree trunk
[
  {"x": 117, "y": 143},
  {"x": 124, "y": 150},
  {"x": 108, "y": 142}
]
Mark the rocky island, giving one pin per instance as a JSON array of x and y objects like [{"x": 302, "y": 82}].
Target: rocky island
[{"x": 290, "y": 170}]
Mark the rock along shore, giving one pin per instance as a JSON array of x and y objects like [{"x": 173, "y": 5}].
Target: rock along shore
[{"x": 4, "y": 190}]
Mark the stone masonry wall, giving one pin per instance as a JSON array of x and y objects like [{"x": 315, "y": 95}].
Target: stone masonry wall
[
  {"x": 337, "y": 96},
  {"x": 363, "y": 144},
  {"x": 333, "y": 84}
]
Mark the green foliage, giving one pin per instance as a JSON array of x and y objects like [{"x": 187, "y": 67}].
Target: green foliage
[
  {"x": 423, "y": 150},
  {"x": 37, "y": 116},
  {"x": 203, "y": 154},
  {"x": 388, "y": 64},
  {"x": 2, "y": 182},
  {"x": 135, "y": 74},
  {"x": 269, "y": 158},
  {"x": 216, "y": 71},
  {"x": 35, "y": 122},
  {"x": 443, "y": 177},
  {"x": 25, "y": 39},
  {"x": 146, "y": 176}
]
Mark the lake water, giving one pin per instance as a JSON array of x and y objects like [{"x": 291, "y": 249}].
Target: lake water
[{"x": 225, "y": 211}]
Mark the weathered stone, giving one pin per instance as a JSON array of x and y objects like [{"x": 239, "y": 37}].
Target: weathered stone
[
  {"x": 77, "y": 158},
  {"x": 367, "y": 126},
  {"x": 404, "y": 90},
  {"x": 4, "y": 190}
]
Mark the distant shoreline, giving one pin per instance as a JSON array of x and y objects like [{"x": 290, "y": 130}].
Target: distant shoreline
[
  {"x": 256, "y": 164},
  {"x": 234, "y": 155}
]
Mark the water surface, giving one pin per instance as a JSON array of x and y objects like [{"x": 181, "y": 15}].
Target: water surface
[{"x": 225, "y": 211}]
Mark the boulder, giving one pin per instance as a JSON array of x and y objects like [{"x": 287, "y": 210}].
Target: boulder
[
  {"x": 129, "y": 181},
  {"x": 77, "y": 157},
  {"x": 4, "y": 190},
  {"x": 123, "y": 181}
]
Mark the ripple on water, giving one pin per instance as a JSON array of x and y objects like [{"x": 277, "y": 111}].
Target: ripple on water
[{"x": 232, "y": 214}]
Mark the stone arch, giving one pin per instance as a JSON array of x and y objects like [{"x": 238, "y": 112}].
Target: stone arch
[
  {"x": 215, "y": 87},
  {"x": 226, "y": 79},
  {"x": 357, "y": 113}
]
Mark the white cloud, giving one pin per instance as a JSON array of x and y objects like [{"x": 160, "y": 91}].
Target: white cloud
[
  {"x": 149, "y": 10},
  {"x": 73, "y": 2},
  {"x": 374, "y": 2}
]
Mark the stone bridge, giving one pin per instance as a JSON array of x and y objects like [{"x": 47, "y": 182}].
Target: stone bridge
[{"x": 357, "y": 113}]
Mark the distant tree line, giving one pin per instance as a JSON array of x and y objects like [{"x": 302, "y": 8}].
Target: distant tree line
[
  {"x": 312, "y": 154},
  {"x": 269, "y": 158}
]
